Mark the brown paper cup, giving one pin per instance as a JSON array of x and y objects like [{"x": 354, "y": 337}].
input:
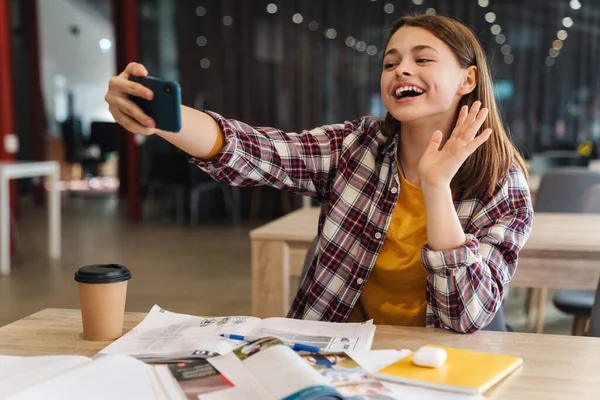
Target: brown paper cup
[
  {"x": 102, "y": 297},
  {"x": 102, "y": 309}
]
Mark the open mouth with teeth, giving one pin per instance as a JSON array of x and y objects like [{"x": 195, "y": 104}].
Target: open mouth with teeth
[{"x": 408, "y": 91}]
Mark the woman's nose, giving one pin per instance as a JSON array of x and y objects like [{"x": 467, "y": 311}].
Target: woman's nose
[{"x": 402, "y": 70}]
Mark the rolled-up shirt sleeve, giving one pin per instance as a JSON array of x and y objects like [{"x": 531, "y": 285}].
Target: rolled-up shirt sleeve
[
  {"x": 302, "y": 162},
  {"x": 465, "y": 285}
]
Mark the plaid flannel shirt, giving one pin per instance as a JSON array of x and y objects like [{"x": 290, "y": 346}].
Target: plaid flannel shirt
[{"x": 349, "y": 168}]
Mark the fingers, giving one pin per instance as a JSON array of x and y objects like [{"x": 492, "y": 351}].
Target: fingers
[
  {"x": 135, "y": 69},
  {"x": 436, "y": 140},
  {"x": 462, "y": 116},
  {"x": 469, "y": 121},
  {"x": 125, "y": 111},
  {"x": 469, "y": 118},
  {"x": 130, "y": 109},
  {"x": 129, "y": 123},
  {"x": 472, "y": 129},
  {"x": 465, "y": 119},
  {"x": 478, "y": 141},
  {"x": 475, "y": 107},
  {"x": 119, "y": 85}
]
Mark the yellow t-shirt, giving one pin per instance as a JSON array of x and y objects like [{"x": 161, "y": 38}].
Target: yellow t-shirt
[{"x": 395, "y": 293}]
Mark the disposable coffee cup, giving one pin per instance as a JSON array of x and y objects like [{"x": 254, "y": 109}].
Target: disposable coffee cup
[{"x": 102, "y": 295}]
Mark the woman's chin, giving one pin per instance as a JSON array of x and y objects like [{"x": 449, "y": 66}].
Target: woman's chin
[{"x": 406, "y": 117}]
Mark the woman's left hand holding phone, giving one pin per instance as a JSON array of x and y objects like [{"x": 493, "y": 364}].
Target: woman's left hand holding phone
[
  {"x": 199, "y": 131},
  {"x": 125, "y": 112}
]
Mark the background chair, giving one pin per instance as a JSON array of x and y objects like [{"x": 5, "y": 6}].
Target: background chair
[
  {"x": 201, "y": 182},
  {"x": 561, "y": 191},
  {"x": 542, "y": 163},
  {"x": 77, "y": 149},
  {"x": 168, "y": 181},
  {"x": 175, "y": 183},
  {"x": 104, "y": 135},
  {"x": 497, "y": 324},
  {"x": 90, "y": 151},
  {"x": 579, "y": 303}
]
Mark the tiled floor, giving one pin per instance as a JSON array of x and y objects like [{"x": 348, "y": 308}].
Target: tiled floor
[{"x": 202, "y": 270}]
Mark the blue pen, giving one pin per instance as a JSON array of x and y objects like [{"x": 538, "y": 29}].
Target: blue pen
[
  {"x": 305, "y": 347},
  {"x": 294, "y": 346},
  {"x": 234, "y": 337}
]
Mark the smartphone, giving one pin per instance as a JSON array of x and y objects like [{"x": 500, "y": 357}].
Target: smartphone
[{"x": 165, "y": 106}]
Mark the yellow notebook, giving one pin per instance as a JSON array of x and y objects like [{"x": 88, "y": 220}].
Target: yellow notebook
[{"x": 463, "y": 371}]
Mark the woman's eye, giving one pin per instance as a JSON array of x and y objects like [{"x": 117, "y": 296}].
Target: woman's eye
[
  {"x": 422, "y": 60},
  {"x": 389, "y": 65}
]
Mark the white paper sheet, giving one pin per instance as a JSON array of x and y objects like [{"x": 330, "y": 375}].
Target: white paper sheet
[
  {"x": 164, "y": 335},
  {"x": 116, "y": 377},
  {"x": 374, "y": 360},
  {"x": 18, "y": 373}
]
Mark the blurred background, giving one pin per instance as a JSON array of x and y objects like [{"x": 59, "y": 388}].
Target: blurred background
[{"x": 292, "y": 64}]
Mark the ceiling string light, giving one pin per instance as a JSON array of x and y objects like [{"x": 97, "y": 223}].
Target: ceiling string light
[
  {"x": 561, "y": 35},
  {"x": 329, "y": 33},
  {"x": 496, "y": 30}
]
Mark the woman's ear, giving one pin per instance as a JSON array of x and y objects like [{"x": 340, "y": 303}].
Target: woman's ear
[{"x": 469, "y": 81}]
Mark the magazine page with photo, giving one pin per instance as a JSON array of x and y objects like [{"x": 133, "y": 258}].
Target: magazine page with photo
[
  {"x": 189, "y": 379},
  {"x": 267, "y": 369},
  {"x": 350, "y": 380}
]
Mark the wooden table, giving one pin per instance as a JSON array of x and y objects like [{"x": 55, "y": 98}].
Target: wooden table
[
  {"x": 554, "y": 367},
  {"x": 29, "y": 169},
  {"x": 563, "y": 252}
]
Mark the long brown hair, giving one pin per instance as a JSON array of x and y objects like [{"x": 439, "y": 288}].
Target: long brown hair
[{"x": 482, "y": 171}]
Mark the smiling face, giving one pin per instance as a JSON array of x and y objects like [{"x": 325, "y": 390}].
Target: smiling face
[{"x": 421, "y": 77}]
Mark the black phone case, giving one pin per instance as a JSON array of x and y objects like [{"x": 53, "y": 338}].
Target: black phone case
[{"x": 165, "y": 106}]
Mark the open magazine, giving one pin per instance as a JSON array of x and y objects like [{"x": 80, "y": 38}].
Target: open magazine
[
  {"x": 269, "y": 369},
  {"x": 166, "y": 336}
]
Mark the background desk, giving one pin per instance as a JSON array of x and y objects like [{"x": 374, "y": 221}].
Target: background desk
[
  {"x": 29, "y": 169},
  {"x": 563, "y": 252},
  {"x": 555, "y": 367}
]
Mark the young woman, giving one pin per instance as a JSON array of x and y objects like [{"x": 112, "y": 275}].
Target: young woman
[{"x": 423, "y": 215}]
